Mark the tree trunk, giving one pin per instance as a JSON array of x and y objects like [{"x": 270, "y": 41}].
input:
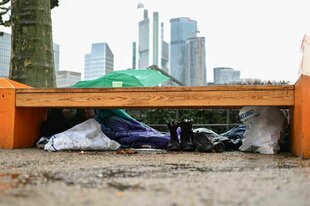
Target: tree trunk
[{"x": 32, "y": 61}]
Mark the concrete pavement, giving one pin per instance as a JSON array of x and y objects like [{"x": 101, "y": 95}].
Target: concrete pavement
[{"x": 35, "y": 177}]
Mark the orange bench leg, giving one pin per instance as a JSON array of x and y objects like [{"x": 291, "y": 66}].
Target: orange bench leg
[
  {"x": 301, "y": 118},
  {"x": 19, "y": 127}
]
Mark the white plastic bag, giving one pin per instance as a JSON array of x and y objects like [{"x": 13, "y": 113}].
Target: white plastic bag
[
  {"x": 265, "y": 125},
  {"x": 84, "y": 136}
]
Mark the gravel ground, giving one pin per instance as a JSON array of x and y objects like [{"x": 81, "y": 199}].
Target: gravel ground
[{"x": 35, "y": 177}]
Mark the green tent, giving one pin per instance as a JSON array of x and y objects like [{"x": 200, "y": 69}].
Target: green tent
[{"x": 130, "y": 78}]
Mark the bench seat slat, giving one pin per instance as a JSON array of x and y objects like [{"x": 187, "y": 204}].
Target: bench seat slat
[{"x": 158, "y": 97}]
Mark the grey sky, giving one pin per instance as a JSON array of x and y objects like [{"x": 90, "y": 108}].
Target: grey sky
[{"x": 261, "y": 38}]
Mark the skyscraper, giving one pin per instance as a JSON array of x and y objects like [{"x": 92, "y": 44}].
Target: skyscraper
[
  {"x": 56, "y": 56},
  {"x": 153, "y": 50},
  {"x": 195, "y": 69},
  {"x": 155, "y": 37},
  {"x": 99, "y": 62},
  {"x": 5, "y": 53},
  {"x": 181, "y": 29},
  {"x": 225, "y": 75},
  {"x": 144, "y": 38},
  {"x": 164, "y": 51},
  {"x": 134, "y": 52}
]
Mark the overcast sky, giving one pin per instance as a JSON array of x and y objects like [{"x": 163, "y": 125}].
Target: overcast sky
[{"x": 261, "y": 38}]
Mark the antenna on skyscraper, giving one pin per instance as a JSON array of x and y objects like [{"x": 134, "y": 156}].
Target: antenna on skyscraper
[{"x": 140, "y": 5}]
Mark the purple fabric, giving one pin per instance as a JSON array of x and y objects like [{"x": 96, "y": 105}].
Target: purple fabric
[{"x": 133, "y": 133}]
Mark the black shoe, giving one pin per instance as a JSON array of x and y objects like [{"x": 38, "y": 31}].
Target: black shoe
[
  {"x": 202, "y": 142},
  {"x": 186, "y": 136},
  {"x": 174, "y": 144},
  {"x": 219, "y": 146}
]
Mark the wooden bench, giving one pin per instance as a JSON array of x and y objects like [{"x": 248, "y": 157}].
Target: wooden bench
[{"x": 22, "y": 108}]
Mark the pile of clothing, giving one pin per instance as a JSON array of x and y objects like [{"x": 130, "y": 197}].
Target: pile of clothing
[
  {"x": 107, "y": 130},
  {"x": 73, "y": 129}
]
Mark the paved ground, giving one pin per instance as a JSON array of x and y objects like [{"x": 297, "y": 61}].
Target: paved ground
[{"x": 34, "y": 177}]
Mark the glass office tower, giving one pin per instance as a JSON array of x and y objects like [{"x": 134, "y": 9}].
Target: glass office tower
[
  {"x": 99, "y": 62},
  {"x": 195, "y": 69},
  {"x": 181, "y": 29}
]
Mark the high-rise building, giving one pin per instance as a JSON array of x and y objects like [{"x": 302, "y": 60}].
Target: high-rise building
[
  {"x": 195, "y": 69},
  {"x": 5, "y": 53},
  {"x": 153, "y": 50},
  {"x": 181, "y": 29},
  {"x": 99, "y": 62},
  {"x": 134, "y": 57},
  {"x": 164, "y": 51},
  {"x": 67, "y": 78},
  {"x": 56, "y": 56},
  {"x": 155, "y": 37},
  {"x": 144, "y": 38},
  {"x": 226, "y": 75}
]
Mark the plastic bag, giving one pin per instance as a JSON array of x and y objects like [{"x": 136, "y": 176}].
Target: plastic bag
[
  {"x": 84, "y": 136},
  {"x": 265, "y": 126}
]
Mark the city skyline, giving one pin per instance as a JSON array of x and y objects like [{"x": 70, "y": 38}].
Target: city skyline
[{"x": 260, "y": 38}]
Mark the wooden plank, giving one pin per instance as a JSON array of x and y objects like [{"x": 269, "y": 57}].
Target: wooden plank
[
  {"x": 158, "y": 97},
  {"x": 300, "y": 130}
]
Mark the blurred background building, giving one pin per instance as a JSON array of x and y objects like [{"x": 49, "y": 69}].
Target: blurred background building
[
  {"x": 99, "y": 62},
  {"x": 153, "y": 50},
  {"x": 226, "y": 75},
  {"x": 67, "y": 78},
  {"x": 56, "y": 56},
  {"x": 187, "y": 52},
  {"x": 195, "y": 62},
  {"x": 5, "y": 53}
]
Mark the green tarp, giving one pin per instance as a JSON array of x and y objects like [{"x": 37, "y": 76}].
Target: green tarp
[{"x": 130, "y": 78}]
